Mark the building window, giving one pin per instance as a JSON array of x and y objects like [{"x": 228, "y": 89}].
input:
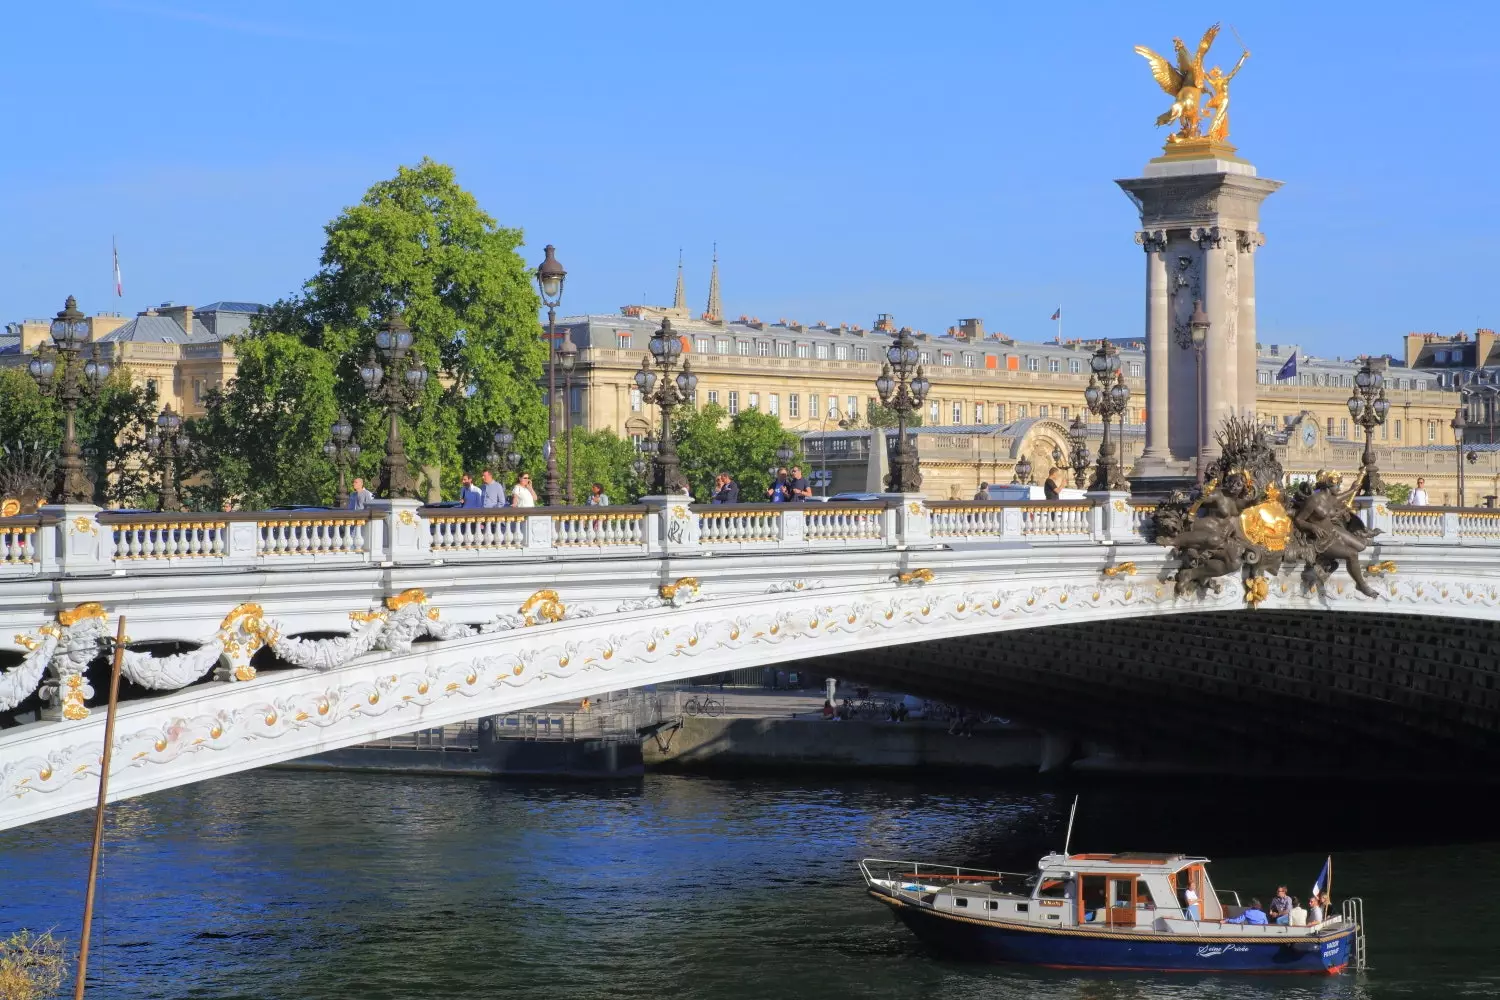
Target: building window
[
  {"x": 1033, "y": 365},
  {"x": 635, "y": 399},
  {"x": 734, "y": 402},
  {"x": 833, "y": 406},
  {"x": 841, "y": 352},
  {"x": 999, "y": 413},
  {"x": 1263, "y": 378},
  {"x": 1135, "y": 369},
  {"x": 1330, "y": 427},
  {"x": 851, "y": 406},
  {"x": 1020, "y": 411},
  {"x": 744, "y": 347},
  {"x": 958, "y": 413},
  {"x": 773, "y": 404},
  {"x": 924, "y": 357},
  {"x": 1432, "y": 430},
  {"x": 1074, "y": 366},
  {"x": 822, "y": 352},
  {"x": 861, "y": 354},
  {"x": 721, "y": 346},
  {"x": 979, "y": 413},
  {"x": 713, "y": 397},
  {"x": 947, "y": 359},
  {"x": 804, "y": 350},
  {"x": 783, "y": 349},
  {"x": 763, "y": 348},
  {"x": 1064, "y": 412},
  {"x": 1041, "y": 411},
  {"x": 1344, "y": 427},
  {"x": 575, "y": 399},
  {"x": 1054, "y": 365},
  {"x": 1398, "y": 430},
  {"x": 701, "y": 345},
  {"x": 1385, "y": 432},
  {"x": 793, "y": 405},
  {"x": 151, "y": 385},
  {"x": 1441, "y": 357},
  {"x": 755, "y": 401},
  {"x": 933, "y": 410},
  {"x": 812, "y": 405},
  {"x": 622, "y": 340}
]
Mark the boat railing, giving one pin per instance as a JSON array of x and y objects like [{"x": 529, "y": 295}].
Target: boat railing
[
  {"x": 1353, "y": 911},
  {"x": 1224, "y": 895},
  {"x": 942, "y": 876}
]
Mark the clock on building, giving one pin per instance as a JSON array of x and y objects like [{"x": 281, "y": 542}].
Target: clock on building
[{"x": 1309, "y": 433}]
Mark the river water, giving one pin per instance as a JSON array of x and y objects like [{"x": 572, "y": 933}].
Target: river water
[{"x": 327, "y": 885}]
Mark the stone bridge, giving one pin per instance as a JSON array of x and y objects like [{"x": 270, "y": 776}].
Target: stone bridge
[{"x": 256, "y": 638}]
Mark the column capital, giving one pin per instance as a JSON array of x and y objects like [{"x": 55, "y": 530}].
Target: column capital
[
  {"x": 1247, "y": 241},
  {"x": 1207, "y": 237},
  {"x": 1152, "y": 240}
]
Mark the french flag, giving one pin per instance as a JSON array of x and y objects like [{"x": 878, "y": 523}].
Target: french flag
[{"x": 1325, "y": 879}]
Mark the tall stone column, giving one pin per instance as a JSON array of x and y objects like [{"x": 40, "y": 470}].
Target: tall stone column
[
  {"x": 1158, "y": 453},
  {"x": 1204, "y": 205}
]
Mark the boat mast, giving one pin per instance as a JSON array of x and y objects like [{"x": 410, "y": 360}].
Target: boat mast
[{"x": 1071, "y": 813}]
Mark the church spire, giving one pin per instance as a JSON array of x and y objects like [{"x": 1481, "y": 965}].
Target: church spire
[
  {"x": 680, "y": 302},
  {"x": 715, "y": 311}
]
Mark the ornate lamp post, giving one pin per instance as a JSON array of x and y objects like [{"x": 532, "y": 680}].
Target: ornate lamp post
[
  {"x": 502, "y": 455},
  {"x": 395, "y": 379},
  {"x": 1460, "y": 424},
  {"x": 1106, "y": 400},
  {"x": 60, "y": 370},
  {"x": 343, "y": 451},
  {"x": 1368, "y": 406},
  {"x": 1198, "y": 332},
  {"x": 550, "y": 276},
  {"x": 642, "y": 463},
  {"x": 168, "y": 442},
  {"x": 568, "y": 358},
  {"x": 903, "y": 385},
  {"x": 1022, "y": 474},
  {"x": 668, "y": 391},
  {"x": 1078, "y": 437}
]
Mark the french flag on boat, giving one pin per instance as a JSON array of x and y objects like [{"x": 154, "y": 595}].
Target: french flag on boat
[{"x": 1325, "y": 879}]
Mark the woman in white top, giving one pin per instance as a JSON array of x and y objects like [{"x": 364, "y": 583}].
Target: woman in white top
[
  {"x": 1190, "y": 898},
  {"x": 521, "y": 495}
]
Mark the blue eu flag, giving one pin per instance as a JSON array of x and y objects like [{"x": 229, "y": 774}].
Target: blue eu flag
[{"x": 1288, "y": 370}]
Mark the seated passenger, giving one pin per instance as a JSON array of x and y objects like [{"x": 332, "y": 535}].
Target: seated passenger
[
  {"x": 1281, "y": 906},
  {"x": 1190, "y": 904},
  {"x": 1315, "y": 907},
  {"x": 1253, "y": 915},
  {"x": 1299, "y": 915}
]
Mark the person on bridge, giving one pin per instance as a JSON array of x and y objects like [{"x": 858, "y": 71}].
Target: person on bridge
[
  {"x": 726, "y": 490},
  {"x": 493, "y": 492},
  {"x": 1418, "y": 496},
  {"x": 1050, "y": 488},
  {"x": 597, "y": 496},
  {"x": 469, "y": 494},
  {"x": 522, "y": 495},
  {"x": 798, "y": 485},
  {"x": 984, "y": 492},
  {"x": 359, "y": 497},
  {"x": 780, "y": 490}
]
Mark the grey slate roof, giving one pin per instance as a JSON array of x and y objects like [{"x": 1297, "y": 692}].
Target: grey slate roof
[
  {"x": 159, "y": 329},
  {"x": 10, "y": 343}
]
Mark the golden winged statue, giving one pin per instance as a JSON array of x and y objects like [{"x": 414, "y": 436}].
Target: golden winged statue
[{"x": 1186, "y": 82}]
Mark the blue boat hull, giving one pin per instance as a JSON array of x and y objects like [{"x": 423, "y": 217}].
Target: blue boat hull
[{"x": 976, "y": 940}]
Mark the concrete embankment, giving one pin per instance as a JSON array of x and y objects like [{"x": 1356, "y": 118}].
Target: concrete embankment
[
  {"x": 800, "y": 743},
  {"x": 491, "y": 759}
]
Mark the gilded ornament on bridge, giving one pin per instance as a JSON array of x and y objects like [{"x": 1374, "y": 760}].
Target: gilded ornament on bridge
[
  {"x": 10, "y": 507},
  {"x": 915, "y": 576},
  {"x": 1241, "y": 522},
  {"x": 1256, "y": 590},
  {"x": 1381, "y": 568},
  {"x": 1125, "y": 568},
  {"x": 688, "y": 585},
  {"x": 413, "y": 596},
  {"x": 84, "y": 526},
  {"x": 1198, "y": 93},
  {"x": 543, "y": 606},
  {"x": 75, "y": 615}
]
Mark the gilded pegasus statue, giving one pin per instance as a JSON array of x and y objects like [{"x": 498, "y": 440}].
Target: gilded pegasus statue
[{"x": 1187, "y": 82}]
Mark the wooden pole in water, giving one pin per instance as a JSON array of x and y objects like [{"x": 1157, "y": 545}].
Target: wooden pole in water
[{"x": 109, "y": 744}]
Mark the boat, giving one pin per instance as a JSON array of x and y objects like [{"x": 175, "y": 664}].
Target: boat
[{"x": 1106, "y": 912}]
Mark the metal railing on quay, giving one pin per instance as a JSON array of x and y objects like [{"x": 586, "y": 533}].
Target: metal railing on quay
[{"x": 462, "y": 738}]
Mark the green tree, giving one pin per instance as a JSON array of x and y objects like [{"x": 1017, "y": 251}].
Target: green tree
[
  {"x": 418, "y": 242},
  {"x": 261, "y": 440},
  {"x": 1398, "y": 493},
  {"x": 877, "y": 415},
  {"x": 603, "y": 457},
  {"x": 745, "y": 448}
]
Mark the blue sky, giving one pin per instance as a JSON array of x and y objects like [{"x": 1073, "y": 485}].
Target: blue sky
[{"x": 932, "y": 162}]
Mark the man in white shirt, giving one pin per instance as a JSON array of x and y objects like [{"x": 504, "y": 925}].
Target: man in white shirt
[
  {"x": 522, "y": 495},
  {"x": 1418, "y": 496}
]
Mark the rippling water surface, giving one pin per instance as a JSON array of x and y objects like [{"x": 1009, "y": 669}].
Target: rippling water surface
[{"x": 286, "y": 884}]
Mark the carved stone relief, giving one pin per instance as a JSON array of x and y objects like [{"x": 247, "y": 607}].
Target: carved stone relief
[{"x": 1185, "y": 278}]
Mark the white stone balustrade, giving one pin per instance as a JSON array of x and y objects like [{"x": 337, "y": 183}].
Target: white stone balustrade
[
  {"x": 595, "y": 527},
  {"x": 476, "y": 531},
  {"x": 18, "y": 542},
  {"x": 840, "y": 522},
  {"x": 1058, "y": 519},
  {"x": 169, "y": 536},
  {"x": 740, "y": 524}
]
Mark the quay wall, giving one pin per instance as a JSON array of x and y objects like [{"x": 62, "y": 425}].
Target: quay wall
[{"x": 493, "y": 759}]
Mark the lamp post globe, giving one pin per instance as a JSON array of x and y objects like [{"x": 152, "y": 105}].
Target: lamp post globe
[
  {"x": 664, "y": 386},
  {"x": 168, "y": 442},
  {"x": 902, "y": 385},
  {"x": 61, "y": 371},
  {"x": 550, "y": 276},
  {"x": 343, "y": 451},
  {"x": 1078, "y": 440}
]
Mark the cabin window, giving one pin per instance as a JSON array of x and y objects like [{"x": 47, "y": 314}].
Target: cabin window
[
  {"x": 961, "y": 901},
  {"x": 1143, "y": 896},
  {"x": 1020, "y": 907},
  {"x": 1092, "y": 897},
  {"x": 1053, "y": 888},
  {"x": 1119, "y": 892},
  {"x": 994, "y": 904}
]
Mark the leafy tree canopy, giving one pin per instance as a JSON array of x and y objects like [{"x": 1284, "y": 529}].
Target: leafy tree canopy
[
  {"x": 418, "y": 242},
  {"x": 744, "y": 446}
]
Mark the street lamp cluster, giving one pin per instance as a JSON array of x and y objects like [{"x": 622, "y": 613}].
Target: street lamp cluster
[
  {"x": 1368, "y": 406},
  {"x": 1078, "y": 439},
  {"x": 61, "y": 371},
  {"x": 663, "y": 385},
  {"x": 1460, "y": 426},
  {"x": 168, "y": 441},
  {"x": 902, "y": 386},
  {"x": 395, "y": 378},
  {"x": 343, "y": 451},
  {"x": 1107, "y": 396}
]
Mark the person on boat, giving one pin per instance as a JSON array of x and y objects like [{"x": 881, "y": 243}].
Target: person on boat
[
  {"x": 828, "y": 711},
  {"x": 1281, "y": 907},
  {"x": 1299, "y": 914},
  {"x": 1190, "y": 901},
  {"x": 1315, "y": 908},
  {"x": 1253, "y": 915}
]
